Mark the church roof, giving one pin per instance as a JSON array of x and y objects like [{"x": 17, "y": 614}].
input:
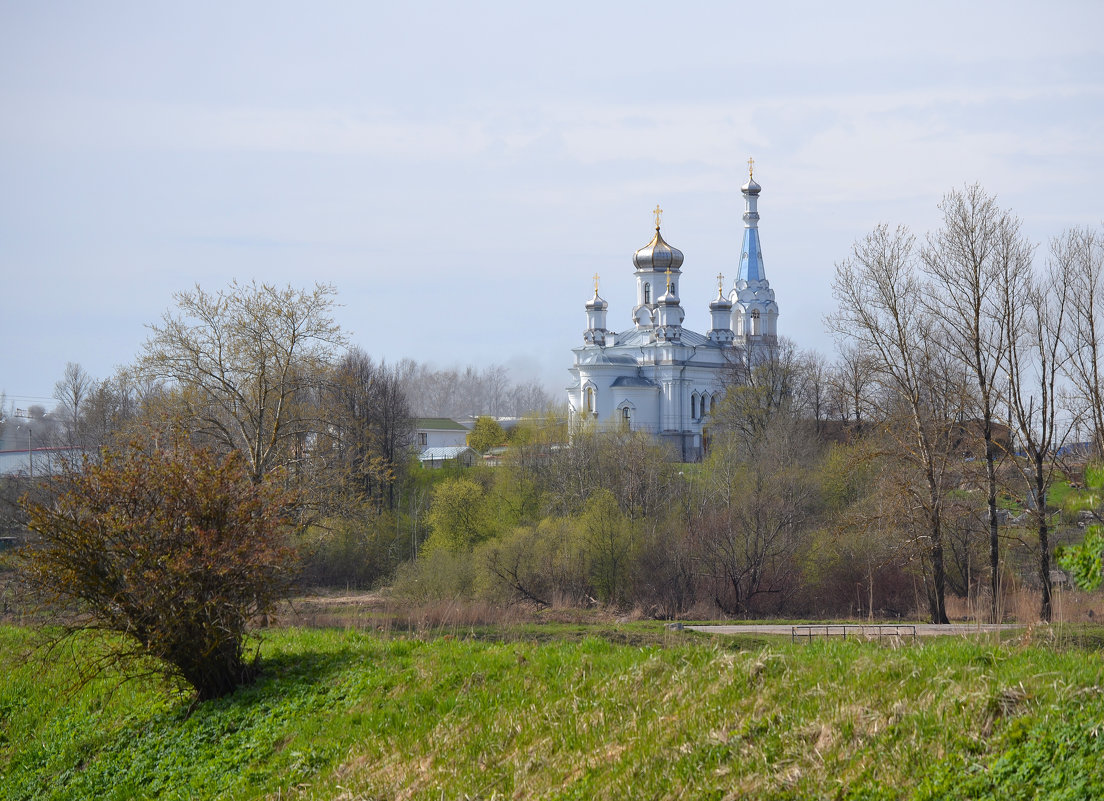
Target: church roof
[
  {"x": 633, "y": 381},
  {"x": 637, "y": 337},
  {"x": 599, "y": 356},
  {"x": 658, "y": 255},
  {"x": 751, "y": 262}
]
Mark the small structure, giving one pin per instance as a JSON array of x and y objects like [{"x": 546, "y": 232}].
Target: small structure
[
  {"x": 444, "y": 454},
  {"x": 438, "y": 432}
]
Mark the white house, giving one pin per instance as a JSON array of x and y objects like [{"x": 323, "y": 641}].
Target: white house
[{"x": 438, "y": 432}]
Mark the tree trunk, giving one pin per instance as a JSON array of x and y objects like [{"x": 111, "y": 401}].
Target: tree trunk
[
  {"x": 938, "y": 603},
  {"x": 1044, "y": 545},
  {"x": 994, "y": 541}
]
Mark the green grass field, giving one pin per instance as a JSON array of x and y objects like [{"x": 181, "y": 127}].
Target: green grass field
[{"x": 345, "y": 714}]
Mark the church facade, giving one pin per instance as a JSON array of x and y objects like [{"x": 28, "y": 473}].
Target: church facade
[{"x": 656, "y": 375}]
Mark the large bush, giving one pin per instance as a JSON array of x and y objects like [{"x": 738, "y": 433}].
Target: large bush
[{"x": 173, "y": 548}]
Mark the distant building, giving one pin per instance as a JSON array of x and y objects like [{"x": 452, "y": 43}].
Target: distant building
[
  {"x": 438, "y": 432},
  {"x": 657, "y": 376},
  {"x": 37, "y": 462}
]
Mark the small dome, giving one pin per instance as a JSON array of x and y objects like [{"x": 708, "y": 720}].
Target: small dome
[
  {"x": 657, "y": 255},
  {"x": 596, "y": 302},
  {"x": 751, "y": 187},
  {"x": 669, "y": 298},
  {"x": 720, "y": 302}
]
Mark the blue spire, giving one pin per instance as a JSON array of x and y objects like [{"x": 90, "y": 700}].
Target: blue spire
[{"x": 751, "y": 260}]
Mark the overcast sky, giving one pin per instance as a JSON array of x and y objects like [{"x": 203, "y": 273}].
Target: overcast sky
[{"x": 459, "y": 171}]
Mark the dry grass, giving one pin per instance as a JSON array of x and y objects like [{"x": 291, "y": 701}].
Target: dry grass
[
  {"x": 1021, "y": 605},
  {"x": 380, "y": 612}
]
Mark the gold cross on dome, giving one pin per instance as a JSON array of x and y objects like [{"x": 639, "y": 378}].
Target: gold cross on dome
[
  {"x": 657, "y": 211},
  {"x": 668, "y": 279},
  {"x": 720, "y": 282},
  {"x": 596, "y": 283},
  {"x": 751, "y": 169}
]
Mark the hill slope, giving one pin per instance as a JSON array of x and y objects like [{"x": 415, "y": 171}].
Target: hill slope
[{"x": 352, "y": 715}]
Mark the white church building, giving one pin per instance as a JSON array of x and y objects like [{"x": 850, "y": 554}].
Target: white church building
[{"x": 657, "y": 376}]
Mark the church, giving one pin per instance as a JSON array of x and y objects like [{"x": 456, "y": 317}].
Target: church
[{"x": 657, "y": 376}]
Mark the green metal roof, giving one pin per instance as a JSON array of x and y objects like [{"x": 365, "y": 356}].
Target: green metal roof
[{"x": 437, "y": 424}]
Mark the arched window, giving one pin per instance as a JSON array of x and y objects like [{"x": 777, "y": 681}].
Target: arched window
[
  {"x": 694, "y": 406},
  {"x": 713, "y": 403},
  {"x": 755, "y": 323},
  {"x": 588, "y": 400},
  {"x": 647, "y": 293},
  {"x": 626, "y": 418}
]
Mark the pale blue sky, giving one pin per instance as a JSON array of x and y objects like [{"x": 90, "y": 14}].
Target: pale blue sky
[{"x": 459, "y": 171}]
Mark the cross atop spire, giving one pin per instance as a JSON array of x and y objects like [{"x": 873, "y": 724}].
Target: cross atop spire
[
  {"x": 596, "y": 283},
  {"x": 668, "y": 280},
  {"x": 720, "y": 282},
  {"x": 657, "y": 211},
  {"x": 751, "y": 169}
]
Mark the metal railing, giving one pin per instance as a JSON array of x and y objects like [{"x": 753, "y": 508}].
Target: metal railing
[{"x": 851, "y": 631}]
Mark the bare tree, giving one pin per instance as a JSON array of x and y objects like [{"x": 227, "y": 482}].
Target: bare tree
[
  {"x": 110, "y": 407},
  {"x": 852, "y": 381},
  {"x": 975, "y": 261},
  {"x": 1079, "y": 254},
  {"x": 1037, "y": 317},
  {"x": 245, "y": 361},
  {"x": 761, "y": 382},
  {"x": 879, "y": 297},
  {"x": 371, "y": 427},
  {"x": 758, "y": 495},
  {"x": 814, "y": 387},
  {"x": 71, "y": 392}
]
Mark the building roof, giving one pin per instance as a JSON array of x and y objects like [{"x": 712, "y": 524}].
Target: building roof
[
  {"x": 437, "y": 424},
  {"x": 633, "y": 381}
]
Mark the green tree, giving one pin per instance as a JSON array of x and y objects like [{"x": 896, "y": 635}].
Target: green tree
[
  {"x": 486, "y": 434},
  {"x": 608, "y": 542},
  {"x": 173, "y": 548},
  {"x": 1085, "y": 562},
  {"x": 459, "y": 516}
]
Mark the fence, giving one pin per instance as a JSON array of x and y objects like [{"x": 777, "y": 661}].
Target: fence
[{"x": 856, "y": 632}]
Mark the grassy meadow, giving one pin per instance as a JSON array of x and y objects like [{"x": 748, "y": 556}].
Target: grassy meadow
[{"x": 354, "y": 714}]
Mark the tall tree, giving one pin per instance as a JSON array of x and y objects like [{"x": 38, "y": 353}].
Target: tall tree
[
  {"x": 852, "y": 380},
  {"x": 71, "y": 393},
  {"x": 880, "y": 307},
  {"x": 1036, "y": 317},
  {"x": 370, "y": 425},
  {"x": 975, "y": 260},
  {"x": 1080, "y": 256},
  {"x": 247, "y": 360}
]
